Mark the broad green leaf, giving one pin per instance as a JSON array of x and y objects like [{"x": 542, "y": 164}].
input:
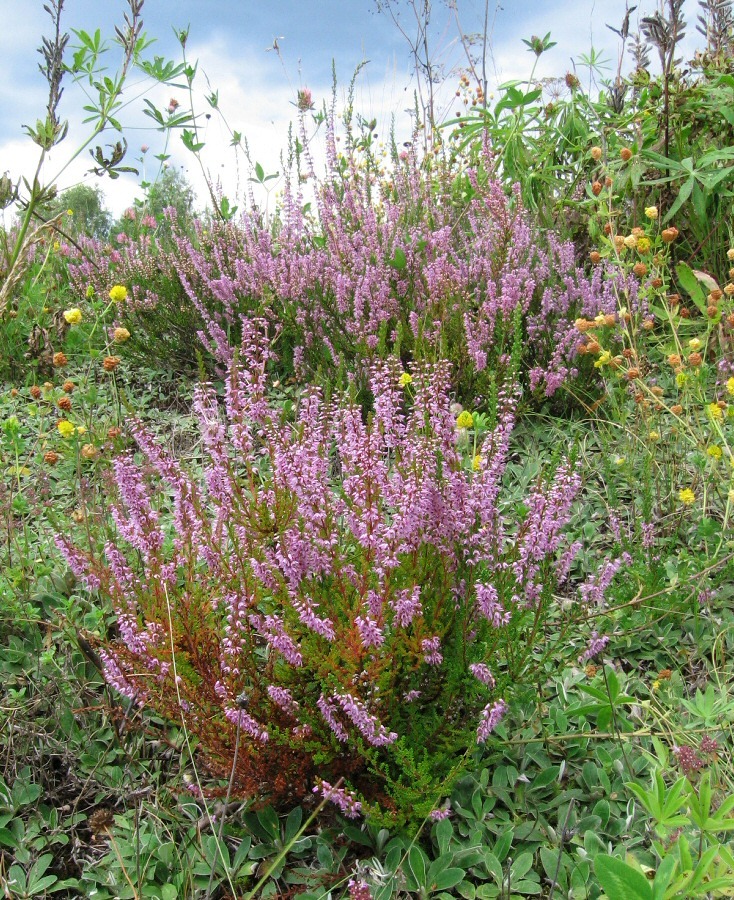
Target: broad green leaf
[{"x": 620, "y": 881}]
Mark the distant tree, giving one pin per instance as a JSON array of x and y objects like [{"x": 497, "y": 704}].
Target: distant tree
[
  {"x": 88, "y": 214},
  {"x": 171, "y": 189}
]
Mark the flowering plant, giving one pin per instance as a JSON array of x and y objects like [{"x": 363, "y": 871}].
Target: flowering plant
[{"x": 336, "y": 598}]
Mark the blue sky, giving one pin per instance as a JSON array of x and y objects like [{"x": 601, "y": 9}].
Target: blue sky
[{"x": 257, "y": 87}]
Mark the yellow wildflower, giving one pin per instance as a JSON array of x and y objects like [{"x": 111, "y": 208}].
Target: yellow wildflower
[
  {"x": 619, "y": 460},
  {"x": 118, "y": 293},
  {"x": 120, "y": 335},
  {"x": 89, "y": 292},
  {"x": 476, "y": 463},
  {"x": 630, "y": 241},
  {"x": 69, "y": 212},
  {"x": 714, "y": 451},
  {"x": 654, "y": 436},
  {"x": 651, "y": 212},
  {"x": 604, "y": 359},
  {"x": 57, "y": 246},
  {"x": 405, "y": 379},
  {"x": 643, "y": 244},
  {"x": 465, "y": 419},
  {"x": 680, "y": 379},
  {"x": 73, "y": 316},
  {"x": 730, "y": 254},
  {"x": 686, "y": 496},
  {"x": 730, "y": 386},
  {"x": 66, "y": 429},
  {"x": 715, "y": 412}
]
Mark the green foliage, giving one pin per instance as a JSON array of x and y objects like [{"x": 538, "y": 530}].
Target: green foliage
[
  {"x": 608, "y": 778},
  {"x": 84, "y": 209}
]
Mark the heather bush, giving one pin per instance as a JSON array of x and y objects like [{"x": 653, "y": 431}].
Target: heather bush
[
  {"x": 431, "y": 263},
  {"x": 335, "y": 598}
]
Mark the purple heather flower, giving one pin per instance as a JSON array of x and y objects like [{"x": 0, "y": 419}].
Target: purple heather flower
[
  {"x": 483, "y": 673},
  {"x": 442, "y": 813},
  {"x": 344, "y": 799},
  {"x": 432, "y": 651},
  {"x": 492, "y": 715},
  {"x": 595, "y": 647}
]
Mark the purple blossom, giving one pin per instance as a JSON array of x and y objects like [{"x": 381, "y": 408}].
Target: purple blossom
[
  {"x": 492, "y": 715},
  {"x": 328, "y": 711},
  {"x": 594, "y": 648},
  {"x": 344, "y": 799},
  {"x": 366, "y": 723},
  {"x": 431, "y": 648},
  {"x": 369, "y": 631},
  {"x": 490, "y": 607},
  {"x": 407, "y": 606},
  {"x": 442, "y": 812},
  {"x": 247, "y": 723},
  {"x": 483, "y": 673}
]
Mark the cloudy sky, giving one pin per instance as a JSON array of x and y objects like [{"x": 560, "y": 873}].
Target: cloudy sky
[{"x": 233, "y": 42}]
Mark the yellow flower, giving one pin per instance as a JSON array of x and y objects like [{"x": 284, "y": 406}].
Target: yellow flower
[
  {"x": 69, "y": 212},
  {"x": 118, "y": 293},
  {"x": 680, "y": 379},
  {"x": 57, "y": 246},
  {"x": 695, "y": 344},
  {"x": 686, "y": 496},
  {"x": 656, "y": 685},
  {"x": 81, "y": 429},
  {"x": 714, "y": 451},
  {"x": 405, "y": 379},
  {"x": 90, "y": 292},
  {"x": 651, "y": 212},
  {"x": 604, "y": 358},
  {"x": 715, "y": 412},
  {"x": 476, "y": 463},
  {"x": 619, "y": 460},
  {"x": 730, "y": 254},
  {"x": 66, "y": 429},
  {"x": 73, "y": 316},
  {"x": 643, "y": 244},
  {"x": 465, "y": 419},
  {"x": 730, "y": 386},
  {"x": 630, "y": 241},
  {"x": 654, "y": 436},
  {"x": 730, "y": 495},
  {"x": 120, "y": 335}
]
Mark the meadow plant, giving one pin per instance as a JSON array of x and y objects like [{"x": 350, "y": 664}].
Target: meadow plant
[
  {"x": 425, "y": 263},
  {"x": 335, "y": 598}
]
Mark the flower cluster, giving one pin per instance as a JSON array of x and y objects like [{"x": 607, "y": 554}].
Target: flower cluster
[
  {"x": 323, "y": 570},
  {"x": 366, "y": 274}
]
